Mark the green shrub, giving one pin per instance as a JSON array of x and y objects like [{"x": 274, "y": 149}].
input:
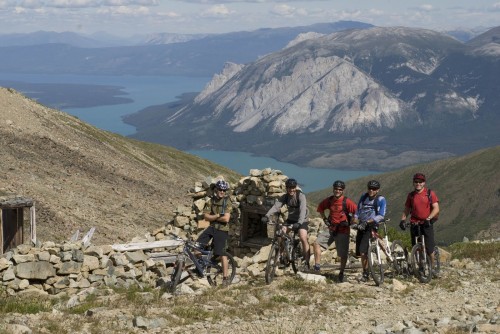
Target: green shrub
[
  {"x": 475, "y": 251},
  {"x": 24, "y": 305}
]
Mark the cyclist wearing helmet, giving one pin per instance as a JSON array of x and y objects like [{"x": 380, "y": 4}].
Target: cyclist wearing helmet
[
  {"x": 298, "y": 214},
  {"x": 217, "y": 211},
  {"x": 371, "y": 210},
  {"x": 423, "y": 205},
  {"x": 340, "y": 210}
]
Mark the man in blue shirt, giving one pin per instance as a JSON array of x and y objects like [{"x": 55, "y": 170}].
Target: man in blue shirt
[{"x": 371, "y": 210}]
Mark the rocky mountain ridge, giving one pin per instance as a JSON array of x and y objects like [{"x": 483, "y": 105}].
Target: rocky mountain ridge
[{"x": 336, "y": 93}]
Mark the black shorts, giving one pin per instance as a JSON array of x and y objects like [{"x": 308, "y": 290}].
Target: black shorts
[
  {"x": 362, "y": 242},
  {"x": 326, "y": 238},
  {"x": 303, "y": 226},
  {"x": 427, "y": 232},
  {"x": 219, "y": 239}
]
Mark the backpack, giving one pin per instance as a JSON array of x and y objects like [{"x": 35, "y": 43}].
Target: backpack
[
  {"x": 285, "y": 199},
  {"x": 344, "y": 207},
  {"x": 375, "y": 202},
  {"x": 412, "y": 196}
]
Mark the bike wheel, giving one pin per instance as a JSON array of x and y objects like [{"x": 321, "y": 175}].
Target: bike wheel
[
  {"x": 421, "y": 264},
  {"x": 215, "y": 272},
  {"x": 400, "y": 263},
  {"x": 272, "y": 262},
  {"x": 297, "y": 255},
  {"x": 375, "y": 264},
  {"x": 437, "y": 261},
  {"x": 176, "y": 276}
]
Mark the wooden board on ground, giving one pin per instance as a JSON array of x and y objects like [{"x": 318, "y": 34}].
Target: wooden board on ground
[{"x": 146, "y": 245}]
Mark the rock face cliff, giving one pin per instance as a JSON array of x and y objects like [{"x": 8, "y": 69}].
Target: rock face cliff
[{"x": 323, "y": 97}]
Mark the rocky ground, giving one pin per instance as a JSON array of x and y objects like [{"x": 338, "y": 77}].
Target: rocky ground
[{"x": 465, "y": 299}]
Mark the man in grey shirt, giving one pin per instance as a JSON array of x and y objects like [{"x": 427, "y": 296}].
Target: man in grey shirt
[{"x": 298, "y": 214}]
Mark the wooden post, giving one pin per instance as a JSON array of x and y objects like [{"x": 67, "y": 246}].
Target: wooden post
[
  {"x": 33, "y": 224},
  {"x": 1, "y": 231}
]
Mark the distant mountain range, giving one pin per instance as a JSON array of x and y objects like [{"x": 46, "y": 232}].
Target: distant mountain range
[
  {"x": 376, "y": 98},
  {"x": 192, "y": 55}
]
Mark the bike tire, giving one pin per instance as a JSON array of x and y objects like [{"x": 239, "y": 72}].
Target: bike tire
[
  {"x": 272, "y": 262},
  {"x": 176, "y": 276},
  {"x": 400, "y": 263},
  {"x": 297, "y": 255},
  {"x": 437, "y": 261},
  {"x": 215, "y": 272},
  {"x": 421, "y": 264},
  {"x": 375, "y": 265}
]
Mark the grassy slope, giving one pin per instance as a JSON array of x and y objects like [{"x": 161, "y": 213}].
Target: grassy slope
[{"x": 468, "y": 189}]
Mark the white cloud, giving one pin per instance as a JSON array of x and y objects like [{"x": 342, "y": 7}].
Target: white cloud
[
  {"x": 426, "y": 7},
  {"x": 288, "y": 11},
  {"x": 217, "y": 11}
]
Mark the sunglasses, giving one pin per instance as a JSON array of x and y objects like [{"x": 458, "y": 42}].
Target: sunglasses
[
  {"x": 372, "y": 188},
  {"x": 221, "y": 190},
  {"x": 338, "y": 189},
  {"x": 418, "y": 181}
]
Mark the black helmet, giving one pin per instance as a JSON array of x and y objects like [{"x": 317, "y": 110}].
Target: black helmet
[
  {"x": 339, "y": 184},
  {"x": 291, "y": 183},
  {"x": 373, "y": 184}
]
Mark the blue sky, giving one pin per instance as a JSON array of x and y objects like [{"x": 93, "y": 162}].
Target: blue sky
[{"x": 131, "y": 17}]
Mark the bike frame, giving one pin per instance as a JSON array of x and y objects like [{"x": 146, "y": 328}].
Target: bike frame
[
  {"x": 381, "y": 242},
  {"x": 201, "y": 262}
]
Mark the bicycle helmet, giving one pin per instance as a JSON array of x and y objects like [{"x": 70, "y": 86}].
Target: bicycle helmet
[
  {"x": 339, "y": 184},
  {"x": 291, "y": 183},
  {"x": 419, "y": 176},
  {"x": 373, "y": 184},
  {"x": 222, "y": 185}
]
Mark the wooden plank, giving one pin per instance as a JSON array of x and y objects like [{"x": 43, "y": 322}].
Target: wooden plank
[{"x": 146, "y": 245}]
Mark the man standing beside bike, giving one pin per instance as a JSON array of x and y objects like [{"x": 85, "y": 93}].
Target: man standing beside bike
[
  {"x": 422, "y": 204},
  {"x": 371, "y": 211},
  {"x": 340, "y": 210},
  {"x": 298, "y": 214},
  {"x": 217, "y": 211}
]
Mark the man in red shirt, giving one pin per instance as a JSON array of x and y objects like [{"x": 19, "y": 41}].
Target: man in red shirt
[
  {"x": 423, "y": 205},
  {"x": 341, "y": 209}
]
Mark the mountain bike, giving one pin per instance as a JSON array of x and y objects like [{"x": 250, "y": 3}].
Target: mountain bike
[
  {"x": 198, "y": 260},
  {"x": 286, "y": 249},
  {"x": 394, "y": 254},
  {"x": 420, "y": 260}
]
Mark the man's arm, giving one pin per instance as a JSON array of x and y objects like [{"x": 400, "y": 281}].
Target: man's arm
[
  {"x": 303, "y": 208},
  {"x": 434, "y": 211}
]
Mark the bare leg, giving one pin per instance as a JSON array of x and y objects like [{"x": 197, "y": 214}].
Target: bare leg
[
  {"x": 317, "y": 253},
  {"x": 305, "y": 244},
  {"x": 364, "y": 262},
  {"x": 225, "y": 266}
]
